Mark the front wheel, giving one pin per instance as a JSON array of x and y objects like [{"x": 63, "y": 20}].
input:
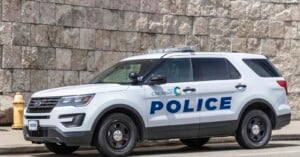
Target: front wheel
[
  {"x": 117, "y": 135},
  {"x": 195, "y": 143},
  {"x": 254, "y": 130},
  {"x": 61, "y": 148}
]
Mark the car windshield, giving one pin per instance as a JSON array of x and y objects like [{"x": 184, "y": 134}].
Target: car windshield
[{"x": 119, "y": 73}]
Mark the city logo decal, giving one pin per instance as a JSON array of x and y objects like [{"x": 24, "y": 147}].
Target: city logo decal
[{"x": 177, "y": 91}]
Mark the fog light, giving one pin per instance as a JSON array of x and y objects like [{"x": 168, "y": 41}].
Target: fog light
[{"x": 76, "y": 120}]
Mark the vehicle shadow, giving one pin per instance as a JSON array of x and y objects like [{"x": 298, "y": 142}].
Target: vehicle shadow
[{"x": 161, "y": 150}]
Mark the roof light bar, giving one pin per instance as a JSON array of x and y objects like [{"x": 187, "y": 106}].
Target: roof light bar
[{"x": 172, "y": 50}]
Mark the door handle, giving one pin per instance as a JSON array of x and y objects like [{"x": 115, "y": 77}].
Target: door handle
[
  {"x": 239, "y": 86},
  {"x": 188, "y": 89}
]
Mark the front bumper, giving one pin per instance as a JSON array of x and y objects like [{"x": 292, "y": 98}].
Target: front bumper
[
  {"x": 54, "y": 135},
  {"x": 282, "y": 121}
]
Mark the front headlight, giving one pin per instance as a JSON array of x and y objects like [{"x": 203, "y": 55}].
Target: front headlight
[{"x": 80, "y": 100}]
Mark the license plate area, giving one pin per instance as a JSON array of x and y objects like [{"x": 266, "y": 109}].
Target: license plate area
[{"x": 33, "y": 125}]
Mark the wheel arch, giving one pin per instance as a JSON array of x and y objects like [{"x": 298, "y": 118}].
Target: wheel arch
[
  {"x": 259, "y": 104},
  {"x": 120, "y": 108}
]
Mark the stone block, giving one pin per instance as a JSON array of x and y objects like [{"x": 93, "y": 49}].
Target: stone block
[
  {"x": 177, "y": 24},
  {"x": 21, "y": 80},
  {"x": 39, "y": 80},
  {"x": 208, "y": 8},
  {"x": 6, "y": 116},
  {"x": 108, "y": 19},
  {"x": 194, "y": 8},
  {"x": 55, "y": 78},
  {"x": 276, "y": 29},
  {"x": 92, "y": 21},
  {"x": 133, "y": 5},
  {"x": 239, "y": 9},
  {"x": 88, "y": 3},
  {"x": 200, "y": 42},
  {"x": 254, "y": 11},
  {"x": 79, "y": 59},
  {"x": 103, "y": 4},
  {"x": 285, "y": 1},
  {"x": 125, "y": 41},
  {"x": 29, "y": 57},
  {"x": 73, "y": 2},
  {"x": 268, "y": 47},
  {"x": 85, "y": 76},
  {"x": 5, "y": 33},
  {"x": 46, "y": 58},
  {"x": 102, "y": 58},
  {"x": 164, "y": 41},
  {"x": 64, "y": 15},
  {"x": 103, "y": 39},
  {"x": 295, "y": 46},
  {"x": 20, "y": 34},
  {"x": 79, "y": 16},
  {"x": 147, "y": 41},
  {"x": 219, "y": 26},
  {"x": 56, "y": 36},
  {"x": 239, "y": 44},
  {"x": 178, "y": 7},
  {"x": 11, "y": 10},
  {"x": 47, "y": 13},
  {"x": 30, "y": 12},
  {"x": 149, "y": 6},
  {"x": 156, "y": 23},
  {"x": 291, "y": 30},
  {"x": 71, "y": 78},
  {"x": 87, "y": 38},
  {"x": 39, "y": 35},
  {"x": 63, "y": 59},
  {"x": 11, "y": 57},
  {"x": 164, "y": 6},
  {"x": 219, "y": 44},
  {"x": 5, "y": 80},
  {"x": 91, "y": 61},
  {"x": 261, "y": 28},
  {"x": 71, "y": 37},
  {"x": 253, "y": 45},
  {"x": 134, "y": 21},
  {"x": 245, "y": 28}
]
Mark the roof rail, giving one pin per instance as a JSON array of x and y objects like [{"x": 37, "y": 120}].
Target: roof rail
[{"x": 172, "y": 50}]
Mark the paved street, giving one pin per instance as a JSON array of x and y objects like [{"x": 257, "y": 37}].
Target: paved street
[{"x": 274, "y": 149}]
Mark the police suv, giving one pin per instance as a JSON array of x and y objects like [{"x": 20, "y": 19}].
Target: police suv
[{"x": 165, "y": 94}]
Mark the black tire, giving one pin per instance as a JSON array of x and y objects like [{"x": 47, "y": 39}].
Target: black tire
[
  {"x": 195, "y": 143},
  {"x": 116, "y": 136},
  {"x": 61, "y": 149},
  {"x": 254, "y": 130}
]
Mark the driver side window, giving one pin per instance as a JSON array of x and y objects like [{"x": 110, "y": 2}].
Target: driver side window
[{"x": 176, "y": 70}]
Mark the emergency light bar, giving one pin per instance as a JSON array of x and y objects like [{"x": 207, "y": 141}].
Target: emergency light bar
[{"x": 176, "y": 49}]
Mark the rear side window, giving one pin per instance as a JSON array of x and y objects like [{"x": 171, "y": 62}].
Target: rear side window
[
  {"x": 206, "y": 69},
  {"x": 262, "y": 67}
]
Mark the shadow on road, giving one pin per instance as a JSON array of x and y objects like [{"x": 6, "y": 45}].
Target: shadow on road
[{"x": 181, "y": 149}]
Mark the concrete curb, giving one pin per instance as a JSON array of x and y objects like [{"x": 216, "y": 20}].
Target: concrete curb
[{"x": 173, "y": 142}]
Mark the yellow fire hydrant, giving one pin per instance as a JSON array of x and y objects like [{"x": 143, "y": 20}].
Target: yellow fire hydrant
[{"x": 19, "y": 104}]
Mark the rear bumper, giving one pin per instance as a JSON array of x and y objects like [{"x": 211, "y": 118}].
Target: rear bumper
[
  {"x": 54, "y": 135},
  {"x": 282, "y": 121}
]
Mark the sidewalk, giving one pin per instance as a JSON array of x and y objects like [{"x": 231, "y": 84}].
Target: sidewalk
[{"x": 12, "y": 141}]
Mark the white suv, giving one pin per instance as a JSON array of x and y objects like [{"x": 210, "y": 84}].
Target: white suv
[{"x": 171, "y": 93}]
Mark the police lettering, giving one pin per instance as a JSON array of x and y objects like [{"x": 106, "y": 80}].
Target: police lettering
[{"x": 175, "y": 106}]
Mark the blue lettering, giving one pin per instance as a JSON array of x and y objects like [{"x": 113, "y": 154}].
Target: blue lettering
[
  {"x": 186, "y": 106},
  {"x": 156, "y": 105},
  {"x": 199, "y": 106},
  {"x": 208, "y": 106},
  {"x": 173, "y": 103},
  {"x": 225, "y": 103}
]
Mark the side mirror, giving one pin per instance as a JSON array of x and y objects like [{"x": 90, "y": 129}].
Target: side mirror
[
  {"x": 157, "y": 80},
  {"x": 134, "y": 77}
]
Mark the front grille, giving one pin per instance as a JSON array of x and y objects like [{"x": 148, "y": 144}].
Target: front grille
[
  {"x": 42, "y": 105},
  {"x": 42, "y": 132}
]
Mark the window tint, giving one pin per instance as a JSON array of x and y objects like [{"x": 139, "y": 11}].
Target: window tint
[
  {"x": 262, "y": 67},
  {"x": 176, "y": 70},
  {"x": 213, "y": 69}
]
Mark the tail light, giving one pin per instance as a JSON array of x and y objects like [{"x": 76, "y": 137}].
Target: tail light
[{"x": 283, "y": 84}]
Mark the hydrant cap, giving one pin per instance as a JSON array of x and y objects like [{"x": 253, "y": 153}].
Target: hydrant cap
[{"x": 19, "y": 98}]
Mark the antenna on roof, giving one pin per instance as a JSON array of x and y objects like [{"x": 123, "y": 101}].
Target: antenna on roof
[{"x": 173, "y": 50}]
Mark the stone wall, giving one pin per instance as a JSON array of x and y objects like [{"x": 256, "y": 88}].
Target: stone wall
[{"x": 52, "y": 43}]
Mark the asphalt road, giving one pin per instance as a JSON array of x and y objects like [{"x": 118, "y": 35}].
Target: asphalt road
[{"x": 274, "y": 149}]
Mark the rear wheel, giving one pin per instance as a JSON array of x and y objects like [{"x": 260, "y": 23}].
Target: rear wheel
[
  {"x": 117, "y": 135},
  {"x": 61, "y": 148},
  {"x": 254, "y": 130},
  {"x": 195, "y": 143}
]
